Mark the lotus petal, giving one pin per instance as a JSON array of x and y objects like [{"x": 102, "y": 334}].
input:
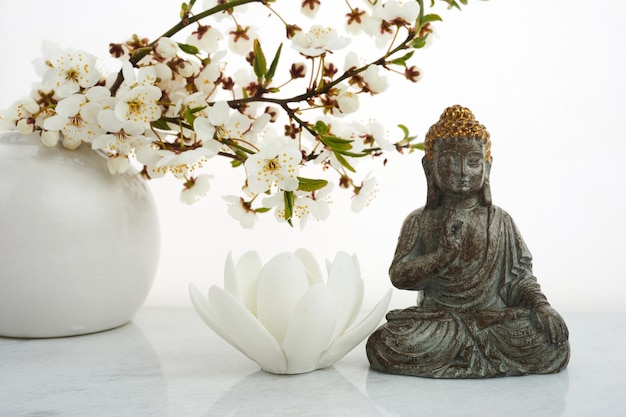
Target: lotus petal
[
  {"x": 248, "y": 269},
  {"x": 230, "y": 276},
  {"x": 201, "y": 304},
  {"x": 348, "y": 341},
  {"x": 310, "y": 329},
  {"x": 281, "y": 284},
  {"x": 347, "y": 286},
  {"x": 245, "y": 331},
  {"x": 310, "y": 264}
]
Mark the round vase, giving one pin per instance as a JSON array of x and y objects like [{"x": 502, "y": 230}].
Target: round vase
[{"x": 79, "y": 247}]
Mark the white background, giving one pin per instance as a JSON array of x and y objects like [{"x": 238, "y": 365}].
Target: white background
[{"x": 546, "y": 78}]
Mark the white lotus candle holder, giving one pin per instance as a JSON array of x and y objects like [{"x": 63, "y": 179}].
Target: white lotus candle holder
[{"x": 283, "y": 316}]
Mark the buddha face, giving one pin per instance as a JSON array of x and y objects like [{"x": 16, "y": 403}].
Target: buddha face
[{"x": 460, "y": 166}]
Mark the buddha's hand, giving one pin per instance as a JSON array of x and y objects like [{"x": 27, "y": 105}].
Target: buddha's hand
[
  {"x": 551, "y": 323},
  {"x": 450, "y": 243}
]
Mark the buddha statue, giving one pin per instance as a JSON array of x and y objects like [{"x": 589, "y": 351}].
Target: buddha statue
[{"x": 480, "y": 311}]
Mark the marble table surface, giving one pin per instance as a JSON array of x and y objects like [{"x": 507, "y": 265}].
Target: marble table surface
[{"x": 166, "y": 362}]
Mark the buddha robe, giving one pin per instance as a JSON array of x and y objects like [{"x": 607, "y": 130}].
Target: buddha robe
[{"x": 473, "y": 324}]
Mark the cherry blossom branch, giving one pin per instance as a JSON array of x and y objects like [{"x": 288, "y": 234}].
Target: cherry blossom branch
[{"x": 183, "y": 23}]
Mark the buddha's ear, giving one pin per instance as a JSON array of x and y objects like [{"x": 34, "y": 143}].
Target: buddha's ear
[
  {"x": 432, "y": 191},
  {"x": 485, "y": 192}
]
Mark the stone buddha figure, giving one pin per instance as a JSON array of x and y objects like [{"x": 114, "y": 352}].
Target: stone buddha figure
[{"x": 480, "y": 311}]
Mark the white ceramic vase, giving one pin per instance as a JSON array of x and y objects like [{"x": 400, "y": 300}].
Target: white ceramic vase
[{"x": 79, "y": 247}]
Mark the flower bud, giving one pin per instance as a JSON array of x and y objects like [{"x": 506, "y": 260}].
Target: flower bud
[
  {"x": 118, "y": 164},
  {"x": 26, "y": 125},
  {"x": 50, "y": 137},
  {"x": 347, "y": 102},
  {"x": 187, "y": 69},
  {"x": 167, "y": 48}
]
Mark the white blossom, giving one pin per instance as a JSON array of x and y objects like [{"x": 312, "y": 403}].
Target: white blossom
[
  {"x": 375, "y": 82},
  {"x": 149, "y": 156},
  {"x": 318, "y": 40},
  {"x": 139, "y": 105},
  {"x": 276, "y": 163},
  {"x": 222, "y": 123},
  {"x": 181, "y": 164},
  {"x": 50, "y": 137},
  {"x": 347, "y": 102},
  {"x": 167, "y": 47},
  {"x": 187, "y": 68},
  {"x": 206, "y": 38},
  {"x": 164, "y": 75},
  {"x": 357, "y": 21},
  {"x": 209, "y": 4},
  {"x": 121, "y": 137},
  {"x": 364, "y": 194},
  {"x": 392, "y": 10},
  {"x": 205, "y": 81},
  {"x": 76, "y": 119},
  {"x": 144, "y": 76},
  {"x": 306, "y": 205},
  {"x": 70, "y": 70},
  {"x": 372, "y": 131},
  {"x": 310, "y": 8},
  {"x": 118, "y": 164},
  {"x": 240, "y": 39},
  {"x": 239, "y": 210},
  {"x": 195, "y": 188},
  {"x": 23, "y": 109}
]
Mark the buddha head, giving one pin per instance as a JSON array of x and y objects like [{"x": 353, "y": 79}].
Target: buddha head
[{"x": 458, "y": 157}]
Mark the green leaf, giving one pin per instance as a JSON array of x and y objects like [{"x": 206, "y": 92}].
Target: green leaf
[
  {"x": 420, "y": 42},
  {"x": 453, "y": 3},
  {"x": 419, "y": 146},
  {"x": 274, "y": 64},
  {"x": 190, "y": 114},
  {"x": 188, "y": 49},
  {"x": 343, "y": 161},
  {"x": 335, "y": 143},
  {"x": 402, "y": 60},
  {"x": 405, "y": 130},
  {"x": 354, "y": 155},
  {"x": 160, "y": 124},
  {"x": 262, "y": 210},
  {"x": 309, "y": 184},
  {"x": 320, "y": 127},
  {"x": 194, "y": 110},
  {"x": 259, "y": 64},
  {"x": 430, "y": 18},
  {"x": 288, "y": 206}
]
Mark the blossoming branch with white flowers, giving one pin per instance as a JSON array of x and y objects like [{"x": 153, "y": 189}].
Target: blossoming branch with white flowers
[{"x": 276, "y": 106}]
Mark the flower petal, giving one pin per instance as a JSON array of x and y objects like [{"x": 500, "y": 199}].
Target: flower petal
[
  {"x": 201, "y": 306},
  {"x": 247, "y": 270},
  {"x": 344, "y": 280},
  {"x": 242, "y": 330},
  {"x": 219, "y": 113},
  {"x": 310, "y": 330},
  {"x": 230, "y": 276},
  {"x": 313, "y": 270},
  {"x": 204, "y": 128},
  {"x": 282, "y": 282},
  {"x": 348, "y": 341}
]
